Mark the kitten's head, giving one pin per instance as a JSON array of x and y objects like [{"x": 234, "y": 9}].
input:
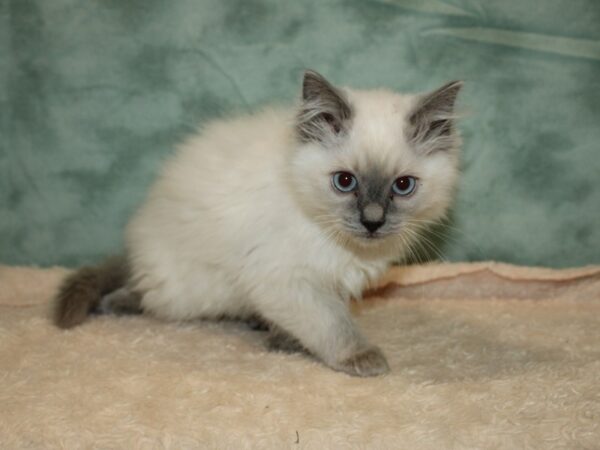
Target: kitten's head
[{"x": 374, "y": 167}]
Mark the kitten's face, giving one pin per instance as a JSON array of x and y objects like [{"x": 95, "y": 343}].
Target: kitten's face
[{"x": 375, "y": 167}]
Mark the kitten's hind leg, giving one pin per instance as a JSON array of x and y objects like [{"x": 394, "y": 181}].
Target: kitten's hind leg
[
  {"x": 120, "y": 302},
  {"x": 257, "y": 323}
]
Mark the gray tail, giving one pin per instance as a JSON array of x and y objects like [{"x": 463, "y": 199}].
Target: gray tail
[{"x": 85, "y": 291}]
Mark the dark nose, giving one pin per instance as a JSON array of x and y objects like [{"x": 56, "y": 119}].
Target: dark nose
[{"x": 372, "y": 225}]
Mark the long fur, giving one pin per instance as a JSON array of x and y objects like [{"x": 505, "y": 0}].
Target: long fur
[{"x": 243, "y": 221}]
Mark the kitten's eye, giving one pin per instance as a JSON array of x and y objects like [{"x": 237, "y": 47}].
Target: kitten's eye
[
  {"x": 344, "y": 181},
  {"x": 404, "y": 186}
]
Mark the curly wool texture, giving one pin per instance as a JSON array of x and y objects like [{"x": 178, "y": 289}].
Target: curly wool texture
[{"x": 482, "y": 356}]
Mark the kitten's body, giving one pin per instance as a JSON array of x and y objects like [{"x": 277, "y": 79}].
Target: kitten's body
[
  {"x": 244, "y": 221},
  {"x": 224, "y": 209}
]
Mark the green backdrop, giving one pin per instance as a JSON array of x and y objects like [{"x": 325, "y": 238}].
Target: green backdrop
[{"x": 94, "y": 94}]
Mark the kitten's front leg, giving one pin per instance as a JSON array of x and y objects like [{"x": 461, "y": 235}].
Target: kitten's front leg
[{"x": 321, "y": 322}]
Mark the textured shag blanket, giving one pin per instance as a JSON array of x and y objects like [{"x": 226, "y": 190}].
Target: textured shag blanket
[{"x": 482, "y": 356}]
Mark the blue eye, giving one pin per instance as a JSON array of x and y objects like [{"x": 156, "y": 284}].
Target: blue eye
[
  {"x": 344, "y": 181},
  {"x": 404, "y": 186}
]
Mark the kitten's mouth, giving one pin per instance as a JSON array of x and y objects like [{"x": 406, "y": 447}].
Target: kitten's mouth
[{"x": 370, "y": 236}]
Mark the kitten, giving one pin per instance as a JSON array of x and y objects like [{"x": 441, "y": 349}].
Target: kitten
[{"x": 285, "y": 215}]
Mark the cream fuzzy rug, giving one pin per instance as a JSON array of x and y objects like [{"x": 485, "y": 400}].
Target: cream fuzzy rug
[{"x": 483, "y": 356}]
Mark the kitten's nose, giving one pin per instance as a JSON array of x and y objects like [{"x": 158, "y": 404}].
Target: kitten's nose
[
  {"x": 372, "y": 225},
  {"x": 372, "y": 217}
]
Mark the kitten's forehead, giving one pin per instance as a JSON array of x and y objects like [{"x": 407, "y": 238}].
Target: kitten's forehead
[
  {"x": 377, "y": 142},
  {"x": 379, "y": 102}
]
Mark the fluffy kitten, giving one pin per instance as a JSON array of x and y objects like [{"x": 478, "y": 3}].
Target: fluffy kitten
[{"x": 285, "y": 215}]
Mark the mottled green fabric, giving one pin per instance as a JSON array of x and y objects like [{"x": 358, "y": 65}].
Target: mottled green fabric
[{"x": 94, "y": 94}]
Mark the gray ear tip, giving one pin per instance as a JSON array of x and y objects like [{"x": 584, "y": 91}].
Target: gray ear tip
[
  {"x": 313, "y": 83},
  {"x": 456, "y": 85},
  {"x": 310, "y": 73}
]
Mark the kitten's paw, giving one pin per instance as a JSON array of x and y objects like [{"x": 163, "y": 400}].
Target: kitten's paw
[{"x": 368, "y": 362}]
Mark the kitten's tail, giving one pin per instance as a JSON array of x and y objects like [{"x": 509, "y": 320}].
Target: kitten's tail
[{"x": 87, "y": 290}]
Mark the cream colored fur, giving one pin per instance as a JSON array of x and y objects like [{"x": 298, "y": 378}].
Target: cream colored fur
[{"x": 244, "y": 219}]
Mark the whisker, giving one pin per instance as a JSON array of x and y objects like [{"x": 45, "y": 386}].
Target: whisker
[
  {"x": 425, "y": 244},
  {"x": 453, "y": 229}
]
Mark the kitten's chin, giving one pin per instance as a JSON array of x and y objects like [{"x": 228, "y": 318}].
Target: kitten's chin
[{"x": 374, "y": 246}]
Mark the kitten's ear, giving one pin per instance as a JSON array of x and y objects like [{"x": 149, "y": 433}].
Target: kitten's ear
[
  {"x": 432, "y": 118},
  {"x": 324, "y": 111}
]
